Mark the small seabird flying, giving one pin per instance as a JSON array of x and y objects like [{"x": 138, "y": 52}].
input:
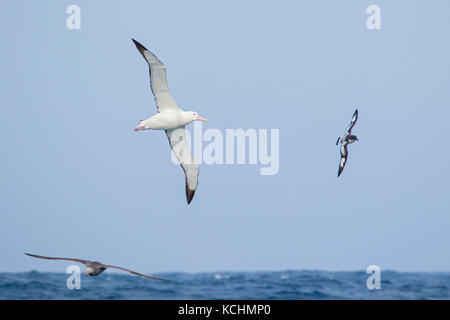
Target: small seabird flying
[
  {"x": 94, "y": 268},
  {"x": 170, "y": 118},
  {"x": 344, "y": 141}
]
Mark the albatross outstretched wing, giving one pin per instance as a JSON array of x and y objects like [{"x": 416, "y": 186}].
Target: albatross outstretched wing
[
  {"x": 55, "y": 258},
  {"x": 158, "y": 80},
  {"x": 177, "y": 140},
  {"x": 134, "y": 272},
  {"x": 352, "y": 123}
]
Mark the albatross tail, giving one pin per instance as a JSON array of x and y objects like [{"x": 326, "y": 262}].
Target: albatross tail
[{"x": 140, "y": 125}]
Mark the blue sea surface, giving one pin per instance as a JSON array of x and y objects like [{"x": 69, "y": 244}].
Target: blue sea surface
[{"x": 228, "y": 285}]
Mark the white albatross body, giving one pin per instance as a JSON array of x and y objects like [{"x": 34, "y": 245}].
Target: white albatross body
[{"x": 170, "y": 118}]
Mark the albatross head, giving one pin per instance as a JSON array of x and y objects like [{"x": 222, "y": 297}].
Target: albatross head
[{"x": 192, "y": 116}]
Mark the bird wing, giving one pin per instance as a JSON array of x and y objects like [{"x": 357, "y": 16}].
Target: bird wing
[
  {"x": 344, "y": 155},
  {"x": 134, "y": 272},
  {"x": 158, "y": 80},
  {"x": 55, "y": 258},
  {"x": 352, "y": 123},
  {"x": 177, "y": 140}
]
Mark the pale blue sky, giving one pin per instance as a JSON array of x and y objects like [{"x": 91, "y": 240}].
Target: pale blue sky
[{"x": 76, "y": 180}]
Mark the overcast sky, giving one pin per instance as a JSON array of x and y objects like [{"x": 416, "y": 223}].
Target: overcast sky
[{"x": 77, "y": 181}]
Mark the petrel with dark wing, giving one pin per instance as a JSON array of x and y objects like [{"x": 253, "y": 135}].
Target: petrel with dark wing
[
  {"x": 345, "y": 140},
  {"x": 94, "y": 268}
]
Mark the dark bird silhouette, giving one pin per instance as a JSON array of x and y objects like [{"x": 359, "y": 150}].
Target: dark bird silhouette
[
  {"x": 345, "y": 141},
  {"x": 94, "y": 268}
]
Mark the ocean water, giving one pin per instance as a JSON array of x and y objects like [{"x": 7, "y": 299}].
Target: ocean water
[{"x": 228, "y": 285}]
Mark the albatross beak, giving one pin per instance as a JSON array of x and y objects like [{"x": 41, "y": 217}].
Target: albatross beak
[{"x": 201, "y": 119}]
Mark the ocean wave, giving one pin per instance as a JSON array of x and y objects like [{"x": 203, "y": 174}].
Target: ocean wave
[{"x": 290, "y": 284}]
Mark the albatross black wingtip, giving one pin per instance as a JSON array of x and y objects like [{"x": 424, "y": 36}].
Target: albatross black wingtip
[
  {"x": 139, "y": 46},
  {"x": 189, "y": 195}
]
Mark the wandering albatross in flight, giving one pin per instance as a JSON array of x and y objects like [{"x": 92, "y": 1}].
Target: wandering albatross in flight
[
  {"x": 344, "y": 141},
  {"x": 94, "y": 268},
  {"x": 170, "y": 118}
]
